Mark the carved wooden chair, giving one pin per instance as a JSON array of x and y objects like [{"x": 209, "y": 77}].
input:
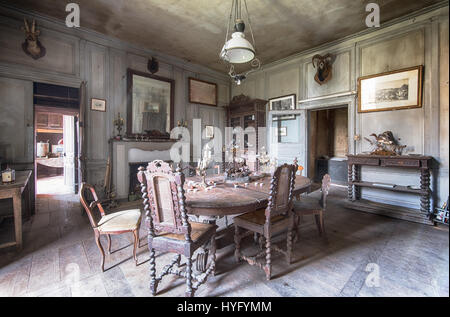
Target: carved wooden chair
[
  {"x": 318, "y": 211},
  {"x": 169, "y": 229},
  {"x": 109, "y": 224},
  {"x": 276, "y": 218}
]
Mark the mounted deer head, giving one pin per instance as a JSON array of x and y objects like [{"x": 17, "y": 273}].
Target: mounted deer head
[
  {"x": 324, "y": 68},
  {"x": 32, "y": 46}
]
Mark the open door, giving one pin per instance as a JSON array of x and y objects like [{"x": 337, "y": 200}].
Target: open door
[
  {"x": 80, "y": 163},
  {"x": 69, "y": 137}
]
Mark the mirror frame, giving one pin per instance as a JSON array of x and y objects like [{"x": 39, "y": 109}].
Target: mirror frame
[{"x": 130, "y": 73}]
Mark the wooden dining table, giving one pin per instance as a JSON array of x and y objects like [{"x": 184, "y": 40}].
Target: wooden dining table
[{"x": 226, "y": 199}]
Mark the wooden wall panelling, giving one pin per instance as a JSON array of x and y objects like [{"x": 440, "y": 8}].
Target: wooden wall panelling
[
  {"x": 16, "y": 122},
  {"x": 98, "y": 129},
  {"x": 443, "y": 184},
  {"x": 410, "y": 41},
  {"x": 339, "y": 83}
]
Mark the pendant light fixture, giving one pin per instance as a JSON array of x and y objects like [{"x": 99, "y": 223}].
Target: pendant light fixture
[{"x": 237, "y": 49}]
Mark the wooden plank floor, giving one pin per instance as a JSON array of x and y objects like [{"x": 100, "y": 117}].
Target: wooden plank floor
[{"x": 60, "y": 258}]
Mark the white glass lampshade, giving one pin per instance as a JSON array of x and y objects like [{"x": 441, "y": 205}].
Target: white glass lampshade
[{"x": 238, "y": 50}]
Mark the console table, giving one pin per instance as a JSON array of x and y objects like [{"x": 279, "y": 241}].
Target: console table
[
  {"x": 421, "y": 163},
  {"x": 15, "y": 191}
]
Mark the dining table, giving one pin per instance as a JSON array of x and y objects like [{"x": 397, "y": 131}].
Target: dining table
[
  {"x": 223, "y": 199},
  {"x": 228, "y": 198}
]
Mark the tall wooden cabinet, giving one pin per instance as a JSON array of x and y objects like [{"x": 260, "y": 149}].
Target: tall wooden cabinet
[{"x": 246, "y": 112}]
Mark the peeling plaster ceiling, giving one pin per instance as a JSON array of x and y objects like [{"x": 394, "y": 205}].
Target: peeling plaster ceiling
[{"x": 195, "y": 29}]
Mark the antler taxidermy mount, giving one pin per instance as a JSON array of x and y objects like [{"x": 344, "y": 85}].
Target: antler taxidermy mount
[
  {"x": 324, "y": 68},
  {"x": 32, "y": 46}
]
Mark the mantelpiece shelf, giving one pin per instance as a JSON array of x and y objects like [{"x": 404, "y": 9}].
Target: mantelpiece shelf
[{"x": 395, "y": 188}]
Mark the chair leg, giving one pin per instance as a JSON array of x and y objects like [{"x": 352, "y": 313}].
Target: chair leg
[
  {"x": 261, "y": 242},
  {"x": 135, "y": 245},
  {"x": 319, "y": 222},
  {"x": 213, "y": 254},
  {"x": 189, "y": 291},
  {"x": 237, "y": 243},
  {"x": 99, "y": 244},
  {"x": 108, "y": 236},
  {"x": 296, "y": 227},
  {"x": 256, "y": 238},
  {"x": 289, "y": 241},
  {"x": 153, "y": 283},
  {"x": 322, "y": 223},
  {"x": 268, "y": 266}
]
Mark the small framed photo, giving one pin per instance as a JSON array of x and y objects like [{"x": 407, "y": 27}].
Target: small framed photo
[
  {"x": 394, "y": 90},
  {"x": 98, "y": 104},
  {"x": 209, "y": 131},
  {"x": 282, "y": 103}
]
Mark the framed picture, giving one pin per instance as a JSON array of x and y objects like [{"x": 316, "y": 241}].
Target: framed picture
[
  {"x": 209, "y": 129},
  {"x": 98, "y": 104},
  {"x": 282, "y": 103},
  {"x": 150, "y": 106},
  {"x": 202, "y": 92},
  {"x": 395, "y": 90}
]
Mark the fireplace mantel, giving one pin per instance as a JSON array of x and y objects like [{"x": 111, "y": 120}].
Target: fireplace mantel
[{"x": 125, "y": 152}]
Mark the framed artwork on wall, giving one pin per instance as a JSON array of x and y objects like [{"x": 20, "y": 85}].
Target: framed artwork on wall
[
  {"x": 209, "y": 131},
  {"x": 202, "y": 92},
  {"x": 394, "y": 90},
  {"x": 98, "y": 104},
  {"x": 282, "y": 103}
]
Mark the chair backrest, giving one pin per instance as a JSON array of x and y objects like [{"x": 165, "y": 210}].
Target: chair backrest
[
  {"x": 90, "y": 204},
  {"x": 326, "y": 181},
  {"x": 281, "y": 190},
  {"x": 164, "y": 199}
]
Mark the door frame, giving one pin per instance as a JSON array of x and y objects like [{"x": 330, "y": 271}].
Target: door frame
[
  {"x": 59, "y": 110},
  {"x": 308, "y": 129}
]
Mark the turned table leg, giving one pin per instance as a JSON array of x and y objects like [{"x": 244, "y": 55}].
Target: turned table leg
[
  {"x": 350, "y": 182},
  {"x": 425, "y": 187},
  {"x": 17, "y": 202},
  {"x": 357, "y": 178}
]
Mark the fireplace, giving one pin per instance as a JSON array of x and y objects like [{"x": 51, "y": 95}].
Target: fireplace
[
  {"x": 135, "y": 186},
  {"x": 127, "y": 156}
]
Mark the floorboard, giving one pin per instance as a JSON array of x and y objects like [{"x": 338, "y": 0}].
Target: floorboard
[{"x": 60, "y": 258}]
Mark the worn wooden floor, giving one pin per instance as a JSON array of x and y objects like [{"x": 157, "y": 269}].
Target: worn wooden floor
[{"x": 60, "y": 258}]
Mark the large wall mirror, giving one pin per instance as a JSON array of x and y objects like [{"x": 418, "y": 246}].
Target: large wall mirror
[{"x": 150, "y": 104}]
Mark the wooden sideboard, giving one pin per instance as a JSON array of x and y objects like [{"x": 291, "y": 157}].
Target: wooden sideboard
[{"x": 421, "y": 163}]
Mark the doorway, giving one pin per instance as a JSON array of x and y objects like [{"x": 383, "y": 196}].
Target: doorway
[
  {"x": 56, "y": 113},
  {"x": 328, "y": 144}
]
